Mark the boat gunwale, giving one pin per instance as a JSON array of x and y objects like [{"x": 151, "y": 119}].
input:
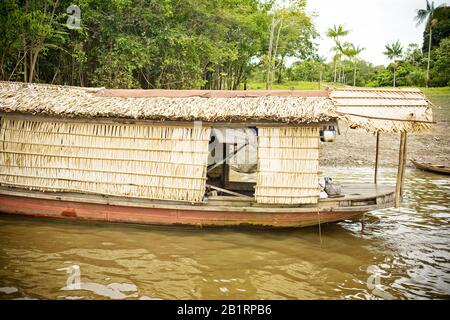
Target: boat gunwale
[{"x": 253, "y": 207}]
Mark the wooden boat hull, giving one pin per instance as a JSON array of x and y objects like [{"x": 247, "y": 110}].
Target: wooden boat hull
[
  {"x": 432, "y": 168},
  {"x": 138, "y": 211},
  {"x": 161, "y": 216}
]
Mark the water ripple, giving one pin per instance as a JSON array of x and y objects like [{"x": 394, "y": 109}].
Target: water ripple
[{"x": 401, "y": 253}]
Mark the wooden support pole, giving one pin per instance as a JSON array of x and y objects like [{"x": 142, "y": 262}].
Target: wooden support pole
[
  {"x": 401, "y": 170},
  {"x": 405, "y": 149},
  {"x": 376, "y": 157},
  {"x": 225, "y": 172}
]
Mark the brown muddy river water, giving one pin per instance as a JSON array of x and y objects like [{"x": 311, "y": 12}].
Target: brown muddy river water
[{"x": 402, "y": 254}]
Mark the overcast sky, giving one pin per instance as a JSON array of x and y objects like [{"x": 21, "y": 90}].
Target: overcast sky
[{"x": 372, "y": 23}]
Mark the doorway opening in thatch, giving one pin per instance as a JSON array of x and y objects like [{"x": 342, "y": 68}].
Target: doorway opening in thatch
[
  {"x": 273, "y": 165},
  {"x": 232, "y": 161}
]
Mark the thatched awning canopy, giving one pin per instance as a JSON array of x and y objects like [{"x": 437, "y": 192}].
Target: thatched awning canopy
[
  {"x": 384, "y": 109},
  {"x": 387, "y": 110}
]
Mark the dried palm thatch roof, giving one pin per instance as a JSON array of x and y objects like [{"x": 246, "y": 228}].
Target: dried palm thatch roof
[
  {"x": 164, "y": 105},
  {"x": 382, "y": 109}
]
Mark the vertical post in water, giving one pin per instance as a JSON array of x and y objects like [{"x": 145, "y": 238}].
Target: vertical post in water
[
  {"x": 376, "y": 157},
  {"x": 402, "y": 184},
  {"x": 401, "y": 170}
]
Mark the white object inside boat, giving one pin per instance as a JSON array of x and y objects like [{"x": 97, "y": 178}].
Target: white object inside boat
[
  {"x": 328, "y": 134},
  {"x": 244, "y": 140}
]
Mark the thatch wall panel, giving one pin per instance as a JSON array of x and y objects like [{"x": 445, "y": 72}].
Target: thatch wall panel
[
  {"x": 107, "y": 165},
  {"x": 288, "y": 166},
  {"x": 156, "y": 162}
]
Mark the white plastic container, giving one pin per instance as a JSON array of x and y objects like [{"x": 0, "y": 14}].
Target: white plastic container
[{"x": 329, "y": 135}]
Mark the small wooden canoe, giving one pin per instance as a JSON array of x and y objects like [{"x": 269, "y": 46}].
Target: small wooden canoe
[{"x": 436, "y": 168}]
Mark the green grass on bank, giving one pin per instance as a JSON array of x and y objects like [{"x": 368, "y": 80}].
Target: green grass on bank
[
  {"x": 308, "y": 85},
  {"x": 440, "y": 97},
  {"x": 441, "y": 92}
]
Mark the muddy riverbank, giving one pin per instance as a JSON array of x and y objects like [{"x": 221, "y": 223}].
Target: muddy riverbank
[{"x": 355, "y": 147}]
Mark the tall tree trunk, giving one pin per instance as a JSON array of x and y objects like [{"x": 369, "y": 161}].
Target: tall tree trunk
[
  {"x": 238, "y": 77},
  {"x": 395, "y": 69},
  {"x": 72, "y": 70},
  {"x": 335, "y": 71},
  {"x": 33, "y": 59},
  {"x": 354, "y": 75},
  {"x": 269, "y": 66},
  {"x": 25, "y": 71},
  {"x": 276, "y": 53},
  {"x": 220, "y": 78},
  {"x": 429, "y": 55},
  {"x": 1, "y": 66},
  {"x": 280, "y": 71},
  {"x": 320, "y": 79}
]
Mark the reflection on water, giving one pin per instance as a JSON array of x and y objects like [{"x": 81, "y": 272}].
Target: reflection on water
[{"x": 401, "y": 253}]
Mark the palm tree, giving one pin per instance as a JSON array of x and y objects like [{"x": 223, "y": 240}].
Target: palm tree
[
  {"x": 351, "y": 52},
  {"x": 335, "y": 33},
  {"x": 428, "y": 14},
  {"x": 393, "y": 52}
]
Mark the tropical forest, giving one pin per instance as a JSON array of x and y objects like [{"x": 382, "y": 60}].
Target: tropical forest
[{"x": 205, "y": 44}]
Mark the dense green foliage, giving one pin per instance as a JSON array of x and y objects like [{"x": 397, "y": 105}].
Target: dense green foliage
[
  {"x": 209, "y": 44},
  {"x": 440, "y": 74},
  {"x": 145, "y": 43},
  {"x": 441, "y": 28}
]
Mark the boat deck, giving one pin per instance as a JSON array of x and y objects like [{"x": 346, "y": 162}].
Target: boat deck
[{"x": 352, "y": 195}]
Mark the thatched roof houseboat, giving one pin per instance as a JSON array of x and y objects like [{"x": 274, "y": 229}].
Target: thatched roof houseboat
[{"x": 144, "y": 156}]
